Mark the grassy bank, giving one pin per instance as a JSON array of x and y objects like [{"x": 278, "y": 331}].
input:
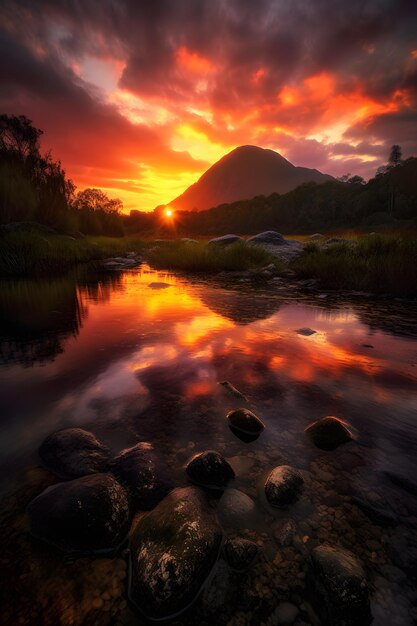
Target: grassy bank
[
  {"x": 375, "y": 263},
  {"x": 26, "y": 254},
  {"x": 201, "y": 257}
]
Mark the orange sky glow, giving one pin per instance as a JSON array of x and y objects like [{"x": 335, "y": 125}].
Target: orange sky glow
[{"x": 152, "y": 97}]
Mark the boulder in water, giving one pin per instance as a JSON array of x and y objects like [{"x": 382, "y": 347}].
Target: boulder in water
[
  {"x": 74, "y": 452},
  {"x": 240, "y": 553},
  {"x": 144, "y": 473},
  {"x": 88, "y": 514},
  {"x": 173, "y": 551},
  {"x": 283, "y": 486},
  {"x": 210, "y": 469},
  {"x": 244, "y": 422},
  {"x": 329, "y": 432},
  {"x": 338, "y": 588}
]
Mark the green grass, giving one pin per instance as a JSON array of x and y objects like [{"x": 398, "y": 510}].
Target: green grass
[
  {"x": 201, "y": 257},
  {"x": 26, "y": 254},
  {"x": 375, "y": 263}
]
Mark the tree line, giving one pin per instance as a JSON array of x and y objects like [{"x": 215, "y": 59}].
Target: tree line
[{"x": 34, "y": 187}]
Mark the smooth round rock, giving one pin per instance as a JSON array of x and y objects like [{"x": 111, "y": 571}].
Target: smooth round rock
[
  {"x": 240, "y": 553},
  {"x": 210, "y": 469},
  {"x": 283, "y": 486},
  {"x": 245, "y": 421},
  {"x": 173, "y": 551},
  {"x": 144, "y": 473},
  {"x": 88, "y": 514},
  {"x": 338, "y": 588},
  {"x": 236, "y": 509},
  {"x": 328, "y": 433},
  {"x": 74, "y": 452},
  {"x": 268, "y": 236},
  {"x": 225, "y": 240}
]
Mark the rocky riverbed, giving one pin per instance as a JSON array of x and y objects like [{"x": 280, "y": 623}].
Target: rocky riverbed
[{"x": 254, "y": 542}]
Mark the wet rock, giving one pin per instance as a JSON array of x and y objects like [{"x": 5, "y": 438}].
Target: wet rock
[
  {"x": 245, "y": 424},
  {"x": 285, "y": 533},
  {"x": 209, "y": 469},
  {"x": 338, "y": 588},
  {"x": 232, "y": 390},
  {"x": 88, "y": 514},
  {"x": 283, "y": 486},
  {"x": 268, "y": 236},
  {"x": 328, "y": 433},
  {"x": 285, "y": 613},
  {"x": 215, "y": 593},
  {"x": 173, "y": 550},
  {"x": 240, "y": 553},
  {"x": 225, "y": 240},
  {"x": 74, "y": 452},
  {"x": 236, "y": 509},
  {"x": 144, "y": 473},
  {"x": 306, "y": 331}
]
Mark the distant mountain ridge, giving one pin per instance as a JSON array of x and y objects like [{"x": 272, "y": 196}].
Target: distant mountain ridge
[{"x": 243, "y": 173}]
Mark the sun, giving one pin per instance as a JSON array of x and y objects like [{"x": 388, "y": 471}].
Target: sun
[{"x": 169, "y": 212}]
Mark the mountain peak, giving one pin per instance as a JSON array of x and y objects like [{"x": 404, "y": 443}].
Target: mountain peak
[{"x": 243, "y": 173}]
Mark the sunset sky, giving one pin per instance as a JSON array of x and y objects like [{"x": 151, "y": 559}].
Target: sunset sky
[{"x": 140, "y": 97}]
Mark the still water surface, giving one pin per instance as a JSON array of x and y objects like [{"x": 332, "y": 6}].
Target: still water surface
[{"x": 139, "y": 356}]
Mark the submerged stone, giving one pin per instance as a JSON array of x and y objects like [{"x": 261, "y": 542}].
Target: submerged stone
[
  {"x": 210, "y": 469},
  {"x": 328, "y": 433},
  {"x": 236, "y": 509},
  {"x": 74, "y": 452},
  {"x": 240, "y": 553},
  {"x": 88, "y": 514},
  {"x": 173, "y": 550},
  {"x": 307, "y": 332},
  {"x": 283, "y": 486},
  {"x": 246, "y": 422},
  {"x": 338, "y": 588},
  {"x": 144, "y": 473}
]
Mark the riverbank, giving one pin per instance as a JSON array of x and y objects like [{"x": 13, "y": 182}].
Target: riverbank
[
  {"x": 39, "y": 254},
  {"x": 375, "y": 263}
]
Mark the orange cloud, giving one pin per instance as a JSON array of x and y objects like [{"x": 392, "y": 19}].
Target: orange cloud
[{"x": 194, "y": 62}]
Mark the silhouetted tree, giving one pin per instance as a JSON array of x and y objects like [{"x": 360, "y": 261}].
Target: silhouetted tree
[{"x": 395, "y": 155}]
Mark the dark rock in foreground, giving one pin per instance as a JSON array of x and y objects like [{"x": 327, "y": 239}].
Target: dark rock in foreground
[
  {"x": 88, "y": 514},
  {"x": 144, "y": 473},
  {"x": 328, "y": 433},
  {"x": 268, "y": 236},
  {"x": 283, "y": 486},
  {"x": 338, "y": 588},
  {"x": 245, "y": 421},
  {"x": 240, "y": 553},
  {"x": 173, "y": 550},
  {"x": 225, "y": 240},
  {"x": 74, "y": 452},
  {"x": 210, "y": 469}
]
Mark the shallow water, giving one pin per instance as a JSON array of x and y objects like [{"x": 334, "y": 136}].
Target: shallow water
[{"x": 139, "y": 356}]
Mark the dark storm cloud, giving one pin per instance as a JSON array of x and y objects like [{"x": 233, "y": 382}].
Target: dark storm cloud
[{"x": 234, "y": 56}]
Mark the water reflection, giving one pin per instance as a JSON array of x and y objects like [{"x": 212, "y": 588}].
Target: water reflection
[
  {"x": 130, "y": 361},
  {"x": 133, "y": 362},
  {"x": 37, "y": 316}
]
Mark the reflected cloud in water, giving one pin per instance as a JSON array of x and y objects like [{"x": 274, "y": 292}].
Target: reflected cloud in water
[{"x": 132, "y": 362}]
